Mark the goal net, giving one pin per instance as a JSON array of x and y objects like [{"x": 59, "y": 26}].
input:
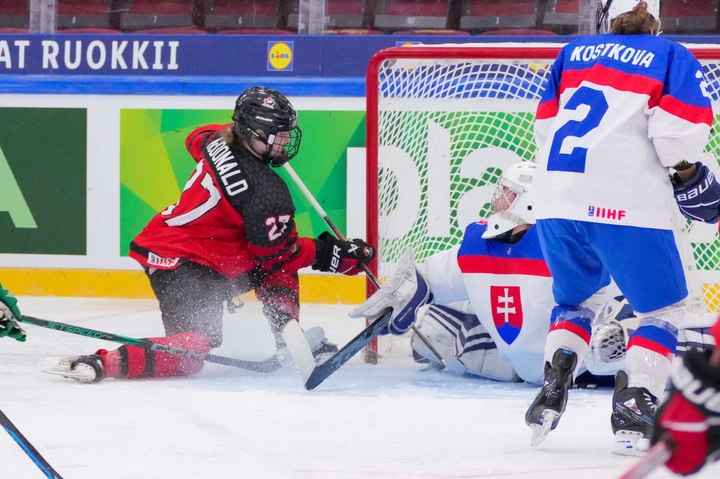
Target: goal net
[{"x": 443, "y": 123}]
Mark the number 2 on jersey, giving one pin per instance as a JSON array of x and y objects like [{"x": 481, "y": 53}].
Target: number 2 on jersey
[
  {"x": 574, "y": 161},
  {"x": 271, "y": 221},
  {"x": 195, "y": 213}
]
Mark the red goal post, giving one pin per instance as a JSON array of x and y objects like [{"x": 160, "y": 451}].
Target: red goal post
[{"x": 444, "y": 121}]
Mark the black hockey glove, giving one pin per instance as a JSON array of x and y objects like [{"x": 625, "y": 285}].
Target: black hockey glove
[
  {"x": 698, "y": 197},
  {"x": 689, "y": 420},
  {"x": 346, "y": 257}
]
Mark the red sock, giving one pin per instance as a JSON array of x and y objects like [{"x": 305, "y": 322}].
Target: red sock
[{"x": 134, "y": 362}]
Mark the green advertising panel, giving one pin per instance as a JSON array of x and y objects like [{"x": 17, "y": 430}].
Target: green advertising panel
[
  {"x": 43, "y": 180},
  {"x": 154, "y": 165}
]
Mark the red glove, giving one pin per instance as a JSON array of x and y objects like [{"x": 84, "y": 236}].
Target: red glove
[{"x": 690, "y": 418}]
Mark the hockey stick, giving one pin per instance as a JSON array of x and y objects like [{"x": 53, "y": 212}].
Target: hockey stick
[
  {"x": 29, "y": 449},
  {"x": 319, "y": 209},
  {"x": 658, "y": 455},
  {"x": 265, "y": 366},
  {"x": 332, "y": 364}
]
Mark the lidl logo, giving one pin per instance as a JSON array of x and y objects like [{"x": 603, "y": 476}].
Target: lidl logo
[
  {"x": 407, "y": 44},
  {"x": 280, "y": 56}
]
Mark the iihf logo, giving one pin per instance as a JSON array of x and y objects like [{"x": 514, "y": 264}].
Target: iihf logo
[{"x": 606, "y": 213}]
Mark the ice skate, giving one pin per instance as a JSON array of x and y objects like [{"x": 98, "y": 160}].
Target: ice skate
[
  {"x": 84, "y": 369},
  {"x": 321, "y": 348},
  {"x": 324, "y": 350},
  {"x": 544, "y": 413},
  {"x": 632, "y": 418}
]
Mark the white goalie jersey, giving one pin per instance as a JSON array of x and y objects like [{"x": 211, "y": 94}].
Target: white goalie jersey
[
  {"x": 509, "y": 287},
  {"x": 502, "y": 297}
]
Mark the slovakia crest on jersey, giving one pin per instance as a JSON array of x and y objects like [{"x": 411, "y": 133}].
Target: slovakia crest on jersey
[{"x": 506, "y": 311}]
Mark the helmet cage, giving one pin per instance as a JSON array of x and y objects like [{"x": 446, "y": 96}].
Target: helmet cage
[
  {"x": 518, "y": 180},
  {"x": 262, "y": 113}
]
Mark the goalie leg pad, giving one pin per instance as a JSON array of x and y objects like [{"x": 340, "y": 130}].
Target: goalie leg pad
[
  {"x": 134, "y": 362},
  {"x": 459, "y": 335},
  {"x": 435, "y": 329},
  {"x": 405, "y": 292}
]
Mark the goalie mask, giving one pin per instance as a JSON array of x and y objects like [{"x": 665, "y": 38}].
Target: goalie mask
[
  {"x": 608, "y": 10},
  {"x": 512, "y": 202},
  {"x": 265, "y": 116}
]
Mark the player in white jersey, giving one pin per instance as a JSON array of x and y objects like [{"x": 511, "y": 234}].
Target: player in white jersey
[{"x": 618, "y": 113}]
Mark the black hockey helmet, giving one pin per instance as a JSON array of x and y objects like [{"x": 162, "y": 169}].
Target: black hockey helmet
[{"x": 262, "y": 113}]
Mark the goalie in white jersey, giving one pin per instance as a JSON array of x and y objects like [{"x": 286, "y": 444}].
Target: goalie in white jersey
[
  {"x": 619, "y": 113},
  {"x": 500, "y": 269}
]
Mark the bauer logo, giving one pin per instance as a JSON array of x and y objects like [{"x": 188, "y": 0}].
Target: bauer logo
[{"x": 280, "y": 56}]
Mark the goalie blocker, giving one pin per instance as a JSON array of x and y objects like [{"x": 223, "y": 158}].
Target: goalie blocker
[{"x": 404, "y": 293}]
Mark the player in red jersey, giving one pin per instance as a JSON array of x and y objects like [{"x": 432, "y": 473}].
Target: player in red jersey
[
  {"x": 232, "y": 231},
  {"x": 689, "y": 420}
]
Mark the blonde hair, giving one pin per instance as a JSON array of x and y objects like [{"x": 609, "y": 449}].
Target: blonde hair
[{"x": 636, "y": 22}]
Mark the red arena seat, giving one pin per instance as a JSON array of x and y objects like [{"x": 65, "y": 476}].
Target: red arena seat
[
  {"x": 353, "y": 31},
  {"x": 519, "y": 32},
  {"x": 687, "y": 8},
  {"x": 355, "y": 15},
  {"x": 430, "y": 32},
  {"x": 172, "y": 31},
  {"x": 393, "y": 15},
  {"x": 688, "y": 17},
  {"x": 562, "y": 16},
  {"x": 87, "y": 14},
  {"x": 568, "y": 6},
  {"x": 480, "y": 15},
  {"x": 89, "y": 30},
  {"x": 345, "y": 13},
  {"x": 14, "y": 14},
  {"x": 255, "y": 31},
  {"x": 158, "y": 14},
  {"x": 13, "y": 30},
  {"x": 242, "y": 14}
]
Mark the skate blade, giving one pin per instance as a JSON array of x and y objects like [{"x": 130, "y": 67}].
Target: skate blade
[
  {"x": 66, "y": 372},
  {"x": 630, "y": 443},
  {"x": 541, "y": 431}
]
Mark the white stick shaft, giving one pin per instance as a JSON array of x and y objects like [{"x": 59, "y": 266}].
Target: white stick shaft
[
  {"x": 305, "y": 191},
  {"x": 326, "y": 218}
]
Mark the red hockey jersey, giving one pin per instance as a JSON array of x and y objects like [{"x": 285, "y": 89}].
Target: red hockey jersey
[{"x": 234, "y": 214}]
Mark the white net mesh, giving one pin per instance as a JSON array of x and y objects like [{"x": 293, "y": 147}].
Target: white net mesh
[{"x": 448, "y": 128}]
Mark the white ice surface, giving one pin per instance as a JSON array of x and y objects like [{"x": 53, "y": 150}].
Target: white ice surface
[{"x": 387, "y": 421}]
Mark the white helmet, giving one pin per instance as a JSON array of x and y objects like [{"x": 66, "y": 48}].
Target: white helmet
[
  {"x": 607, "y": 10},
  {"x": 512, "y": 202}
]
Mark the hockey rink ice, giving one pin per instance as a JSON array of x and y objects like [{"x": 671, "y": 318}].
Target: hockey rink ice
[{"x": 388, "y": 421}]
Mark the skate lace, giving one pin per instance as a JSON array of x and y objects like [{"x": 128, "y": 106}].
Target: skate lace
[{"x": 553, "y": 394}]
